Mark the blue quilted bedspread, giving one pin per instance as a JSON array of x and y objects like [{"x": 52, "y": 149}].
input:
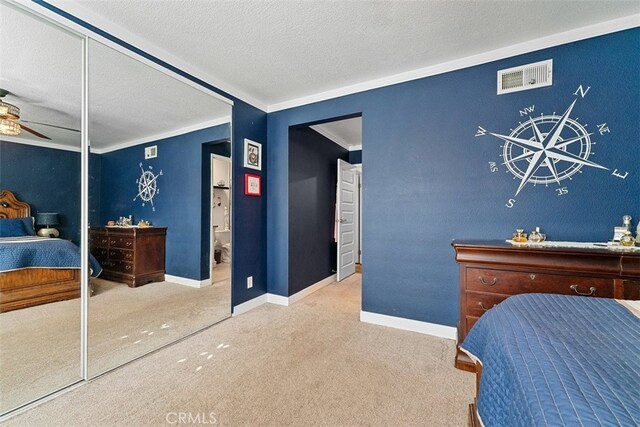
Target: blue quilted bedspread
[
  {"x": 38, "y": 252},
  {"x": 556, "y": 360}
]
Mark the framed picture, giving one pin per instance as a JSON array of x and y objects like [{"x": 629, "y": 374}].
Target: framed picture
[
  {"x": 252, "y": 154},
  {"x": 252, "y": 185}
]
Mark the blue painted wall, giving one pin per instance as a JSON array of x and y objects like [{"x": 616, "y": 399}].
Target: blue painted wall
[
  {"x": 249, "y": 222},
  {"x": 427, "y": 178},
  {"x": 355, "y": 157},
  {"x": 95, "y": 199},
  {"x": 313, "y": 172},
  {"x": 178, "y": 204},
  {"x": 47, "y": 179}
]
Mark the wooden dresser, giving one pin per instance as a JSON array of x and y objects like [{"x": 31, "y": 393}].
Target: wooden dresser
[
  {"x": 491, "y": 271},
  {"x": 131, "y": 255}
]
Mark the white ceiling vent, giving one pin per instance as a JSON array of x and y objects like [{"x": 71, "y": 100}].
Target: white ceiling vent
[
  {"x": 151, "y": 152},
  {"x": 525, "y": 77}
]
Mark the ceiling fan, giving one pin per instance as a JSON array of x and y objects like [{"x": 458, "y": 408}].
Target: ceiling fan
[{"x": 10, "y": 123}]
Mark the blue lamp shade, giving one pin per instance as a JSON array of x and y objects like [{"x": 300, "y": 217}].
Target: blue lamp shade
[{"x": 47, "y": 219}]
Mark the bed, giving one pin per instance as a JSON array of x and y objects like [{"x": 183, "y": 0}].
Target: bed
[
  {"x": 34, "y": 270},
  {"x": 547, "y": 360}
]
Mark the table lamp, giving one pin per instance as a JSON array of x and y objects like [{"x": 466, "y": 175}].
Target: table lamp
[{"x": 47, "y": 219}]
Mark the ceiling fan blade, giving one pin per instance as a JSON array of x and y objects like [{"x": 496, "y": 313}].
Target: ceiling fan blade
[
  {"x": 36, "y": 133},
  {"x": 52, "y": 126}
]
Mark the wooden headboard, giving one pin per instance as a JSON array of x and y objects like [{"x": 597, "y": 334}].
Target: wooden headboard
[{"x": 10, "y": 207}]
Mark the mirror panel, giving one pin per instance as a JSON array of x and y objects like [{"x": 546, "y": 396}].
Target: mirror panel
[
  {"x": 40, "y": 315},
  {"x": 151, "y": 137}
]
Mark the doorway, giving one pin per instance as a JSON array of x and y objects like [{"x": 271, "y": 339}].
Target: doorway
[
  {"x": 314, "y": 150},
  {"x": 220, "y": 223}
]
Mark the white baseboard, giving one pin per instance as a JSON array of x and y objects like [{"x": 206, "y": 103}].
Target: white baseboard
[
  {"x": 311, "y": 289},
  {"x": 187, "y": 282},
  {"x": 286, "y": 301},
  {"x": 279, "y": 299},
  {"x": 250, "y": 305},
  {"x": 426, "y": 328}
]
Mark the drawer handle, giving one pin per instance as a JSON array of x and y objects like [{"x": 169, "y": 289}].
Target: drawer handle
[
  {"x": 128, "y": 267},
  {"x": 481, "y": 305},
  {"x": 591, "y": 290},
  {"x": 532, "y": 276},
  {"x": 484, "y": 281}
]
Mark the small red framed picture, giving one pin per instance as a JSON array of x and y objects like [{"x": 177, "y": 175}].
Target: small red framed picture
[{"x": 251, "y": 185}]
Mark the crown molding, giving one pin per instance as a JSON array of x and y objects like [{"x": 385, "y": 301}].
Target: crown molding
[
  {"x": 553, "y": 40},
  {"x": 77, "y": 10},
  {"x": 43, "y": 144},
  {"x": 330, "y": 135},
  {"x": 159, "y": 136},
  {"x": 80, "y": 12}
]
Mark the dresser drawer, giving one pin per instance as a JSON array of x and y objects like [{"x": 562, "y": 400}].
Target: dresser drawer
[
  {"x": 470, "y": 321},
  {"x": 121, "y": 266},
  {"x": 121, "y": 242},
  {"x": 121, "y": 254},
  {"x": 101, "y": 254},
  {"x": 478, "y": 304},
  {"x": 99, "y": 240},
  {"x": 515, "y": 282}
]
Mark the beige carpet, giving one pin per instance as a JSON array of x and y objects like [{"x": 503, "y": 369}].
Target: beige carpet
[
  {"x": 40, "y": 346},
  {"x": 313, "y": 363}
]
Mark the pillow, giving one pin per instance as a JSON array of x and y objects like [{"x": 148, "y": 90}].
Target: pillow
[{"x": 17, "y": 227}]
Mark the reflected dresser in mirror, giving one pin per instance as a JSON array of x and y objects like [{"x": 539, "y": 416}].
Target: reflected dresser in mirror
[{"x": 131, "y": 255}]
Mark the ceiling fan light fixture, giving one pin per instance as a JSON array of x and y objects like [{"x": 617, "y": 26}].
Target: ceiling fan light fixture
[
  {"x": 9, "y": 127},
  {"x": 9, "y": 111}
]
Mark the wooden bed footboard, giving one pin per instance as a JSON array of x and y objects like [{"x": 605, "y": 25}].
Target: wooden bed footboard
[
  {"x": 474, "y": 421},
  {"x": 35, "y": 286}
]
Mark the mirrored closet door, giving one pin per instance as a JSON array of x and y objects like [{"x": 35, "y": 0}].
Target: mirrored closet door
[
  {"x": 151, "y": 205},
  {"x": 159, "y": 207},
  {"x": 40, "y": 199}
]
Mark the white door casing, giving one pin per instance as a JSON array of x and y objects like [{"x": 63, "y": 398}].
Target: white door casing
[{"x": 346, "y": 201}]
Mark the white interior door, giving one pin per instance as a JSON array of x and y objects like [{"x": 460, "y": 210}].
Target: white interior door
[{"x": 346, "y": 201}]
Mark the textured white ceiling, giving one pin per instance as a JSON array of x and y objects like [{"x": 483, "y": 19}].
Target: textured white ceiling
[
  {"x": 129, "y": 101},
  {"x": 276, "y": 50},
  {"x": 347, "y": 132},
  {"x": 42, "y": 67}
]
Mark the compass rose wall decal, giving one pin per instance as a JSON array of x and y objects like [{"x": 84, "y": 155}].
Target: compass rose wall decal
[
  {"x": 548, "y": 149},
  {"x": 147, "y": 186}
]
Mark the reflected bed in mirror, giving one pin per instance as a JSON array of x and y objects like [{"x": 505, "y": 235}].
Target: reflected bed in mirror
[{"x": 151, "y": 137}]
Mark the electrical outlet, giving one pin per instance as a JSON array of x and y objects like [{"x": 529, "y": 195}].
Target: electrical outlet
[{"x": 249, "y": 282}]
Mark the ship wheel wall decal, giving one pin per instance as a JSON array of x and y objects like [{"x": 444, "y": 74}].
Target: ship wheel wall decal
[
  {"x": 547, "y": 149},
  {"x": 147, "y": 186}
]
